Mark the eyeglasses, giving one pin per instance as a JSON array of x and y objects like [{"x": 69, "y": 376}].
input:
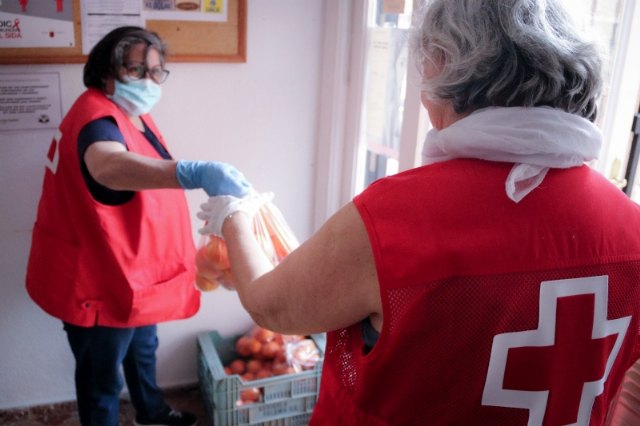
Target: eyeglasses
[{"x": 137, "y": 72}]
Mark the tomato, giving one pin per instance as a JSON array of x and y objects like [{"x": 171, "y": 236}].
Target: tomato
[
  {"x": 243, "y": 345},
  {"x": 250, "y": 395},
  {"x": 237, "y": 366},
  {"x": 255, "y": 348},
  {"x": 254, "y": 365},
  {"x": 270, "y": 350},
  {"x": 281, "y": 356}
]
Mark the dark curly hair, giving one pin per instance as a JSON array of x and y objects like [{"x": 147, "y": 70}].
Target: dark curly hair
[{"x": 108, "y": 55}]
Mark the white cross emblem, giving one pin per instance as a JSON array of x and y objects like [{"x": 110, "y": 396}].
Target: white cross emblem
[{"x": 555, "y": 339}]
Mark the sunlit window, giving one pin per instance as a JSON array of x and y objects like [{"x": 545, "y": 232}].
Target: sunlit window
[
  {"x": 600, "y": 19},
  {"x": 385, "y": 89}
]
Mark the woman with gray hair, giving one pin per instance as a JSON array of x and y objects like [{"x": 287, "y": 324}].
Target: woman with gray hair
[{"x": 497, "y": 284}]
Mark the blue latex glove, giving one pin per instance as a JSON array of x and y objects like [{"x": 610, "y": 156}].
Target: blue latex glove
[{"x": 215, "y": 177}]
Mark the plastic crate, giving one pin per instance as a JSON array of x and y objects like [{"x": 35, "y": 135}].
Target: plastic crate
[{"x": 286, "y": 400}]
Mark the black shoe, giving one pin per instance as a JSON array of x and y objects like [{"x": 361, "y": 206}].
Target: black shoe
[{"x": 169, "y": 417}]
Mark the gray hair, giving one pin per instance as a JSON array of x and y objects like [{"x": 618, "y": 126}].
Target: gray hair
[{"x": 506, "y": 53}]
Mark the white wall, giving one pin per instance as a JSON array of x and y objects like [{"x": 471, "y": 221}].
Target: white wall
[{"x": 260, "y": 115}]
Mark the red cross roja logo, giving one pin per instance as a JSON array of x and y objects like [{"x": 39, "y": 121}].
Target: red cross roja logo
[{"x": 557, "y": 370}]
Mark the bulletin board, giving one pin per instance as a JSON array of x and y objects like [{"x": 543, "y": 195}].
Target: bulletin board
[{"x": 187, "y": 41}]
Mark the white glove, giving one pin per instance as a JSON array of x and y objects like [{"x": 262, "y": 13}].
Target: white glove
[{"x": 217, "y": 209}]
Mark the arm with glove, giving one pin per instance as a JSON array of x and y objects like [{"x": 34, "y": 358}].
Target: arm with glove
[
  {"x": 215, "y": 212},
  {"x": 111, "y": 165},
  {"x": 327, "y": 283}
]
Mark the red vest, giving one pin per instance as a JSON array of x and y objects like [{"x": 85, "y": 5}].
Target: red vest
[
  {"x": 495, "y": 313},
  {"x": 120, "y": 266}
]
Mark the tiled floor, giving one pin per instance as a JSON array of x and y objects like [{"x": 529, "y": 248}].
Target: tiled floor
[{"x": 65, "y": 414}]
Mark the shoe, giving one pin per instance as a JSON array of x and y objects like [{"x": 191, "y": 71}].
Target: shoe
[{"x": 170, "y": 417}]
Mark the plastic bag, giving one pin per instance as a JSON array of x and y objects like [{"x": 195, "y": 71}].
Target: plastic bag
[{"x": 273, "y": 234}]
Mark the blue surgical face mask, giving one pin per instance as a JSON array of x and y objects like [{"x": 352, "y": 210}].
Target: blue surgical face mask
[{"x": 136, "y": 97}]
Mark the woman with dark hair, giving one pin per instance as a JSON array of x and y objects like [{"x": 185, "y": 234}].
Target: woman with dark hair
[
  {"x": 496, "y": 285},
  {"x": 112, "y": 253}
]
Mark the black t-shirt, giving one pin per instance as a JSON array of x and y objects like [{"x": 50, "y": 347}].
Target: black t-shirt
[{"x": 105, "y": 129}]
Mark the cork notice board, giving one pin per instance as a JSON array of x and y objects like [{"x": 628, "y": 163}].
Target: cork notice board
[{"x": 188, "y": 41}]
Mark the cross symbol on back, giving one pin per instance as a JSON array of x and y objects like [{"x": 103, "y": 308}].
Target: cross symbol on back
[{"x": 557, "y": 370}]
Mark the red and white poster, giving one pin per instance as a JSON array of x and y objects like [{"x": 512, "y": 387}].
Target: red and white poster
[{"x": 36, "y": 23}]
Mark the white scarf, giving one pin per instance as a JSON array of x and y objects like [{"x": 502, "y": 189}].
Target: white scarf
[{"x": 536, "y": 139}]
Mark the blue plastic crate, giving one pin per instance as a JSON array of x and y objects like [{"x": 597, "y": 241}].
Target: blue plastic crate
[{"x": 286, "y": 400}]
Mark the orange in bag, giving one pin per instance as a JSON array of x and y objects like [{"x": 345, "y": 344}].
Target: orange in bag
[
  {"x": 274, "y": 237},
  {"x": 212, "y": 263}
]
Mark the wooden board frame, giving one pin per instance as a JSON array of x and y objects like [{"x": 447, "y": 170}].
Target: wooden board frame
[{"x": 187, "y": 41}]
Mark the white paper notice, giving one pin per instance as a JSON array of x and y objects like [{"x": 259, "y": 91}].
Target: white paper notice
[
  {"x": 101, "y": 16},
  {"x": 30, "y": 101}
]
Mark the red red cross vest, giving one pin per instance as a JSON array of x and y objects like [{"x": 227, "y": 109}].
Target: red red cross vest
[
  {"x": 94, "y": 264},
  {"x": 495, "y": 313}
]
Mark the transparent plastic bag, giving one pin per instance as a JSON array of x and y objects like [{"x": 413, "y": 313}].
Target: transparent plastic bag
[{"x": 272, "y": 233}]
